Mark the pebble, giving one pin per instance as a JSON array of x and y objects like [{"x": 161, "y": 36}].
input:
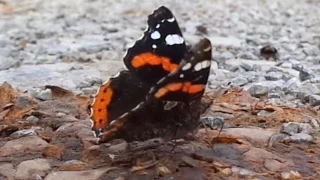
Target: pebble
[
  {"x": 306, "y": 90},
  {"x": 247, "y": 67},
  {"x": 290, "y": 175},
  {"x": 23, "y": 145},
  {"x": 305, "y": 74},
  {"x": 274, "y": 95},
  {"x": 7, "y": 170},
  {"x": 258, "y": 90},
  {"x": 301, "y": 137},
  {"x": 93, "y": 174},
  {"x": 239, "y": 81},
  {"x": 290, "y": 128},
  {"x": 30, "y": 169},
  {"x": 242, "y": 171},
  {"x": 32, "y": 119},
  {"x": 73, "y": 165},
  {"x": 273, "y": 76},
  {"x": 41, "y": 94},
  {"x": 24, "y": 132},
  {"x": 314, "y": 100},
  {"x": 213, "y": 122}
]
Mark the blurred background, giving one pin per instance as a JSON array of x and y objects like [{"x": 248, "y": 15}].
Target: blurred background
[{"x": 78, "y": 44}]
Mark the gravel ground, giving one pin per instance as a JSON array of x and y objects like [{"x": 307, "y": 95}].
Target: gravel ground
[{"x": 78, "y": 44}]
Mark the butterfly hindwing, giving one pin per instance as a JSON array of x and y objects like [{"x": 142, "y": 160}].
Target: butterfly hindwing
[
  {"x": 160, "y": 50},
  {"x": 109, "y": 105},
  {"x": 190, "y": 80}
]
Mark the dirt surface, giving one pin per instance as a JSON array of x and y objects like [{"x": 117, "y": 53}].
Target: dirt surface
[{"x": 60, "y": 143}]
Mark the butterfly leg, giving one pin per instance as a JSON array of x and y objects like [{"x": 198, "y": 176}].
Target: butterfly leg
[{"x": 178, "y": 126}]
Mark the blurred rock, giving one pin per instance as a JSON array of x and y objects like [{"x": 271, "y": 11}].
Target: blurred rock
[{"x": 32, "y": 168}]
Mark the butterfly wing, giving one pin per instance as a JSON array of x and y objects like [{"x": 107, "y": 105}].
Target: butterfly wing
[
  {"x": 190, "y": 79},
  {"x": 115, "y": 98},
  {"x": 160, "y": 50}
]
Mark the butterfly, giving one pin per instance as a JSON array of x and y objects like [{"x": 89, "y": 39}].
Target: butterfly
[{"x": 163, "y": 76}]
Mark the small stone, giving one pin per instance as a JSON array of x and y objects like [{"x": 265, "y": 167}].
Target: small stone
[
  {"x": 73, "y": 165},
  {"x": 264, "y": 113},
  {"x": 23, "y": 132},
  {"x": 32, "y": 119},
  {"x": 215, "y": 122},
  {"x": 163, "y": 170},
  {"x": 242, "y": 171},
  {"x": 297, "y": 66},
  {"x": 274, "y": 95},
  {"x": 273, "y": 76},
  {"x": 301, "y": 137},
  {"x": 190, "y": 161},
  {"x": 304, "y": 127},
  {"x": 23, "y": 145},
  {"x": 258, "y": 90},
  {"x": 306, "y": 90},
  {"x": 239, "y": 81},
  {"x": 42, "y": 94},
  {"x": 290, "y": 128},
  {"x": 246, "y": 67},
  {"x": 7, "y": 170},
  {"x": 61, "y": 114},
  {"x": 226, "y": 171},
  {"x": 32, "y": 168},
  {"x": 306, "y": 74},
  {"x": 290, "y": 175},
  {"x": 79, "y": 175},
  {"x": 53, "y": 151},
  {"x": 314, "y": 100}
]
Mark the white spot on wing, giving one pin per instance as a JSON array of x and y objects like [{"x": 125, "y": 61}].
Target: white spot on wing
[
  {"x": 202, "y": 65},
  {"x": 186, "y": 67},
  {"x": 181, "y": 76},
  {"x": 207, "y": 49},
  {"x": 155, "y": 35},
  {"x": 157, "y": 26},
  {"x": 171, "y": 19},
  {"x": 172, "y": 39},
  {"x": 154, "y": 46},
  {"x": 198, "y": 67},
  {"x": 206, "y": 64}
]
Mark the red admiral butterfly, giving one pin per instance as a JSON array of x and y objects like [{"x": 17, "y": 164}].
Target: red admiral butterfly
[{"x": 160, "y": 91}]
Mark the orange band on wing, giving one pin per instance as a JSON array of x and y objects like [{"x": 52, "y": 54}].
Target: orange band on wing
[
  {"x": 149, "y": 58},
  {"x": 100, "y": 106},
  {"x": 185, "y": 87}
]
